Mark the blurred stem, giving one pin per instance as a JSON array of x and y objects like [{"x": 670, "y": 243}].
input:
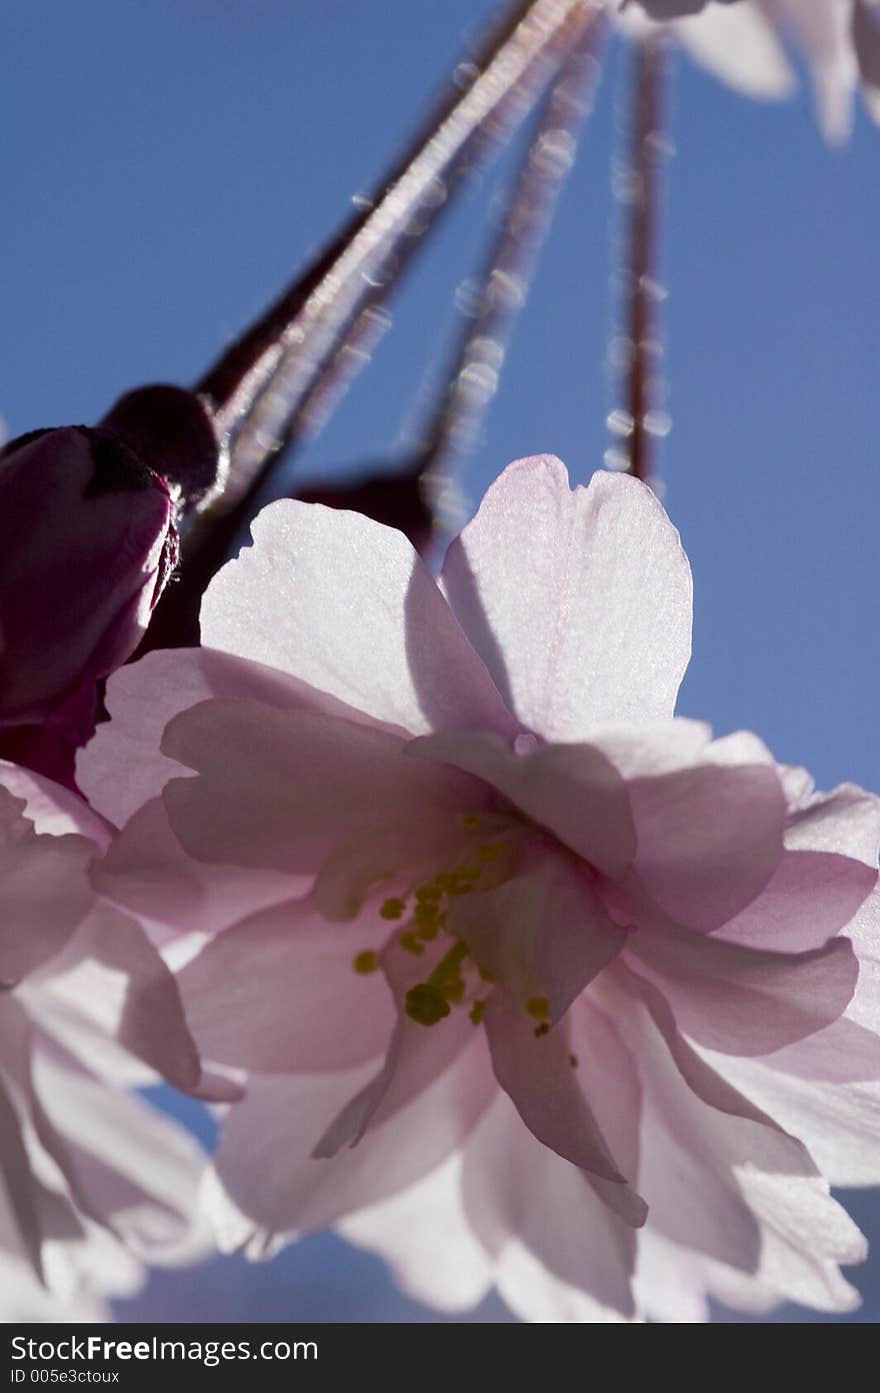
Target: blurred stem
[
  {"x": 373, "y": 321},
  {"x": 504, "y": 286},
  {"x": 256, "y": 397},
  {"x": 257, "y": 389},
  {"x": 644, "y": 188}
]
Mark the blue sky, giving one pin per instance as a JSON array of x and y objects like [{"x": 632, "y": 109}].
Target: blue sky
[{"x": 169, "y": 163}]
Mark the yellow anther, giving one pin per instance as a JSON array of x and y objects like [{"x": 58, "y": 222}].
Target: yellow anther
[
  {"x": 486, "y": 976},
  {"x": 411, "y": 944},
  {"x": 429, "y": 920},
  {"x": 448, "y": 969},
  {"x": 539, "y": 1007},
  {"x": 490, "y": 851},
  {"x": 542, "y": 1029},
  {"x": 425, "y": 1004},
  {"x": 470, "y": 820},
  {"x": 429, "y": 893},
  {"x": 462, "y": 882},
  {"x": 367, "y": 961},
  {"x": 392, "y": 909},
  {"x": 477, "y": 1012}
]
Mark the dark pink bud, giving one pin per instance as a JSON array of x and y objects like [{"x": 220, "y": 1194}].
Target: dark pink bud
[
  {"x": 87, "y": 542},
  {"x": 172, "y": 431}
]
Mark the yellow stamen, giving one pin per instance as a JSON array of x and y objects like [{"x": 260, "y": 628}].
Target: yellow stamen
[
  {"x": 429, "y": 920},
  {"x": 542, "y": 1029},
  {"x": 392, "y": 909},
  {"x": 411, "y": 944},
  {"x": 477, "y": 1012},
  {"x": 367, "y": 961},
  {"x": 463, "y": 881},
  {"x": 426, "y": 1004},
  {"x": 539, "y": 1007},
  {"x": 447, "y": 970},
  {"x": 429, "y": 893}
]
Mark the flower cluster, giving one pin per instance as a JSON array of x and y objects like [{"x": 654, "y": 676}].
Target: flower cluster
[
  {"x": 95, "y": 1183},
  {"x": 482, "y": 955},
  {"x": 525, "y": 981}
]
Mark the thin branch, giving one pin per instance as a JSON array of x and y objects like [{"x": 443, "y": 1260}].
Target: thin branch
[
  {"x": 640, "y": 424},
  {"x": 510, "y": 266},
  {"x": 373, "y": 320},
  {"x": 258, "y": 387},
  {"x": 255, "y": 412},
  {"x": 223, "y": 379},
  {"x": 421, "y": 495}
]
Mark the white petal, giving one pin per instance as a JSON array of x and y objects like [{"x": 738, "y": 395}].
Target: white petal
[
  {"x": 347, "y": 606},
  {"x": 579, "y": 602}
]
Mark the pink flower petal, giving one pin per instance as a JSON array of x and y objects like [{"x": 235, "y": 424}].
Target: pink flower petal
[
  {"x": 652, "y": 747},
  {"x": 267, "y": 1184},
  {"x": 53, "y": 810},
  {"x": 558, "y": 1250},
  {"x": 282, "y": 789},
  {"x": 709, "y": 839},
  {"x": 838, "y": 1120},
  {"x": 810, "y": 898},
  {"x": 696, "y": 1138},
  {"x": 424, "y": 1233},
  {"x": 417, "y": 1054},
  {"x": 843, "y": 1053},
  {"x": 148, "y": 873},
  {"x": 17, "y": 1178},
  {"x": 44, "y": 891},
  {"x": 128, "y": 1167},
  {"x": 122, "y": 767},
  {"x": 744, "y": 1000},
  {"x": 116, "y": 979},
  {"x": 572, "y": 790},
  {"x": 542, "y": 934},
  {"x": 278, "y": 992},
  {"x": 386, "y": 642},
  {"x": 710, "y": 1087},
  {"x": 579, "y": 602},
  {"x": 430, "y": 839},
  {"x": 846, "y": 821},
  {"x": 552, "y": 1098}
]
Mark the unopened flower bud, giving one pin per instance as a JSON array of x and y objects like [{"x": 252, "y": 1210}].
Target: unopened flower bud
[
  {"x": 172, "y": 431},
  {"x": 87, "y": 542}
]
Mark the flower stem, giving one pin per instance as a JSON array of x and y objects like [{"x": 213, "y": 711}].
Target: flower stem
[
  {"x": 258, "y": 387},
  {"x": 644, "y": 196}
]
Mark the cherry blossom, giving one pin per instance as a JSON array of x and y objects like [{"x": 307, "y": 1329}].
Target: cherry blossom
[
  {"x": 512, "y": 955},
  {"x": 93, "y": 1182},
  {"x": 744, "y": 43}
]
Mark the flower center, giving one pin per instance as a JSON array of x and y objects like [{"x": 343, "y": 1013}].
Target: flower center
[{"x": 457, "y": 979}]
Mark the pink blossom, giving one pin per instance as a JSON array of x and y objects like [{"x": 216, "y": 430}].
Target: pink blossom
[
  {"x": 509, "y": 952},
  {"x": 93, "y": 1182}
]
